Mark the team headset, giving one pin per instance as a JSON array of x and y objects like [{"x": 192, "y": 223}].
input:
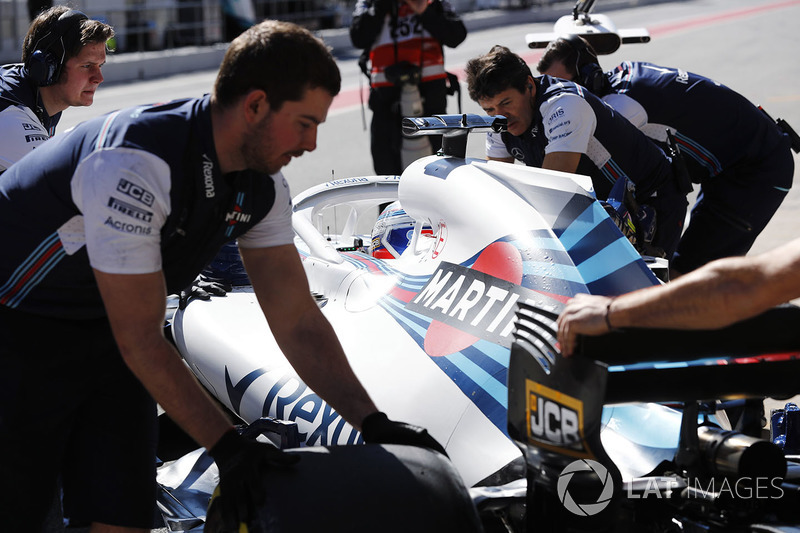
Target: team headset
[
  {"x": 45, "y": 65},
  {"x": 590, "y": 75}
]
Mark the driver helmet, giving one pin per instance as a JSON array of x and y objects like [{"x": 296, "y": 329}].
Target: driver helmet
[{"x": 393, "y": 232}]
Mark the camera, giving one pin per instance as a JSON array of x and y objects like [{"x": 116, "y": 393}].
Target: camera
[{"x": 403, "y": 73}]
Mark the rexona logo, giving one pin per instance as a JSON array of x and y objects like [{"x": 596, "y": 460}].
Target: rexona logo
[
  {"x": 555, "y": 420},
  {"x": 208, "y": 176}
]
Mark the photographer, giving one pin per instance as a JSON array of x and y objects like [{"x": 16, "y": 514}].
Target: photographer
[{"x": 403, "y": 40}]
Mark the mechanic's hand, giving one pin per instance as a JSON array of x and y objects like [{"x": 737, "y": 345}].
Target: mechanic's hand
[
  {"x": 583, "y": 315},
  {"x": 378, "y": 429},
  {"x": 202, "y": 289},
  {"x": 242, "y": 465}
]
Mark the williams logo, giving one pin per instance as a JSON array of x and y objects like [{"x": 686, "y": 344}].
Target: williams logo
[
  {"x": 136, "y": 192},
  {"x": 130, "y": 210},
  {"x": 555, "y": 420}
]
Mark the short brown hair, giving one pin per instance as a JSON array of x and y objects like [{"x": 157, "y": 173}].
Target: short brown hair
[
  {"x": 573, "y": 52},
  {"x": 280, "y": 58},
  {"x": 496, "y": 71},
  {"x": 87, "y": 31}
]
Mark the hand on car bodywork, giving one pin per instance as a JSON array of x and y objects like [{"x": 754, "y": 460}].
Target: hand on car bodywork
[
  {"x": 378, "y": 429},
  {"x": 585, "y": 314},
  {"x": 203, "y": 289},
  {"x": 242, "y": 464}
]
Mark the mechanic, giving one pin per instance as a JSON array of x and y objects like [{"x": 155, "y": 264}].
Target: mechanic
[
  {"x": 98, "y": 224},
  {"x": 62, "y": 56},
  {"x": 403, "y": 41},
  {"x": 716, "y": 295},
  {"x": 738, "y": 154},
  {"x": 558, "y": 125}
]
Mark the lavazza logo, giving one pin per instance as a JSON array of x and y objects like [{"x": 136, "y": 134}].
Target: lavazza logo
[{"x": 744, "y": 488}]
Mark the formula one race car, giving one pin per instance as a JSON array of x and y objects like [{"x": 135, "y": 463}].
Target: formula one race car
[{"x": 446, "y": 315}]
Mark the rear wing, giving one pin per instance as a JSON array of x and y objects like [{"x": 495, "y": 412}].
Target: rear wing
[
  {"x": 453, "y": 128},
  {"x": 555, "y": 404},
  {"x": 597, "y": 29}
]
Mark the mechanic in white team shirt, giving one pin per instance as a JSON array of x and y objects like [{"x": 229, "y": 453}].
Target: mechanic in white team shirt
[
  {"x": 62, "y": 56},
  {"x": 98, "y": 224},
  {"x": 559, "y": 125},
  {"x": 739, "y": 155}
]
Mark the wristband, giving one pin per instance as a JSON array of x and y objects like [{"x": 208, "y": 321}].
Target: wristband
[{"x": 608, "y": 312}]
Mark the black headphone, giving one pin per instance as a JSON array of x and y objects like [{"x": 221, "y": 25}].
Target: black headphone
[
  {"x": 44, "y": 64},
  {"x": 589, "y": 72}
]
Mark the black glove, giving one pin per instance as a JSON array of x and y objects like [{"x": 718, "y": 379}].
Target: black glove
[
  {"x": 202, "y": 289},
  {"x": 242, "y": 465},
  {"x": 377, "y": 428}
]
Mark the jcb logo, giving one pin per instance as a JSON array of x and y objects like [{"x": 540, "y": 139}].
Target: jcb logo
[
  {"x": 555, "y": 420},
  {"x": 134, "y": 191}
]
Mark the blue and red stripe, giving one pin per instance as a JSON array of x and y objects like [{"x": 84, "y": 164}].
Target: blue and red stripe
[{"x": 31, "y": 272}]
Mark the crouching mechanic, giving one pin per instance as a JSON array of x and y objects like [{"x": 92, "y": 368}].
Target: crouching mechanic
[
  {"x": 558, "y": 125},
  {"x": 738, "y": 154},
  {"x": 62, "y": 55},
  {"x": 127, "y": 207}
]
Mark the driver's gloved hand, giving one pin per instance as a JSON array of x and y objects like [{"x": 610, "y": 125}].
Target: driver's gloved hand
[
  {"x": 242, "y": 465},
  {"x": 378, "y": 429},
  {"x": 202, "y": 289}
]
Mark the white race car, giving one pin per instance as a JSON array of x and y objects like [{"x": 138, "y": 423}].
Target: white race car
[
  {"x": 447, "y": 317},
  {"x": 429, "y": 330}
]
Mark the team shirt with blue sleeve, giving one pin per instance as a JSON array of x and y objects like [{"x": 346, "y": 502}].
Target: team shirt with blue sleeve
[
  {"x": 569, "y": 118},
  {"x": 24, "y": 125},
  {"x": 136, "y": 191},
  {"x": 714, "y": 126}
]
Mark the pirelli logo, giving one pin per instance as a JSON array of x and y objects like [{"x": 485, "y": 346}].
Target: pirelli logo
[
  {"x": 555, "y": 420},
  {"x": 130, "y": 210}
]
